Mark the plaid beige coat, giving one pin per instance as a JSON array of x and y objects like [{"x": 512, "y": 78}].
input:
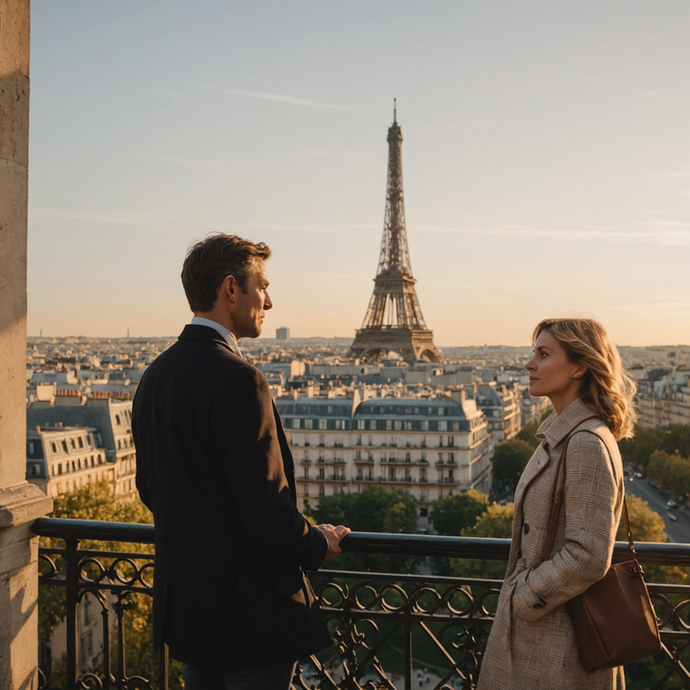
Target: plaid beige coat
[{"x": 532, "y": 645}]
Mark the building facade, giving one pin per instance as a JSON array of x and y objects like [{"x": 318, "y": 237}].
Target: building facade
[
  {"x": 500, "y": 402},
  {"x": 665, "y": 401},
  {"x": 428, "y": 447},
  {"x": 61, "y": 458},
  {"x": 110, "y": 418}
]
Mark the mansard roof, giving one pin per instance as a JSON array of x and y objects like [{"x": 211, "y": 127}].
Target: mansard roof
[{"x": 420, "y": 408}]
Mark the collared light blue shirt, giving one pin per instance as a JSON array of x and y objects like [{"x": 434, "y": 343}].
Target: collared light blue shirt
[{"x": 227, "y": 335}]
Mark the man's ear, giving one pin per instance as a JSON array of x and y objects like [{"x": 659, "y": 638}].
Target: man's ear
[{"x": 229, "y": 288}]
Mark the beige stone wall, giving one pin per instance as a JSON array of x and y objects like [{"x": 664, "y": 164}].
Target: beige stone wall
[
  {"x": 20, "y": 502},
  {"x": 14, "y": 147}
]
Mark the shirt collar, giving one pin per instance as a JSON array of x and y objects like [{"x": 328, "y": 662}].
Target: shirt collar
[
  {"x": 227, "y": 335},
  {"x": 557, "y": 426}
]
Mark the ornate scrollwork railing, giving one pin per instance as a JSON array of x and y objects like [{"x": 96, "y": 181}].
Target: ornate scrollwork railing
[{"x": 391, "y": 631}]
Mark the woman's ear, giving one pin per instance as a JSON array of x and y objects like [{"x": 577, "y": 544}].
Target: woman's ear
[{"x": 580, "y": 371}]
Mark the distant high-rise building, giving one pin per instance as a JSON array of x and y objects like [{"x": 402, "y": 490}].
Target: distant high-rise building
[
  {"x": 394, "y": 321},
  {"x": 282, "y": 333}
]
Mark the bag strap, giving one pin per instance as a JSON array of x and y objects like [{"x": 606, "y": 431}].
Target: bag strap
[{"x": 558, "y": 500}]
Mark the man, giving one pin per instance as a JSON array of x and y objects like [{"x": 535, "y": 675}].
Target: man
[{"x": 214, "y": 466}]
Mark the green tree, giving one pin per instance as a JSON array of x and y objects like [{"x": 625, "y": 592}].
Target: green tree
[
  {"x": 528, "y": 434},
  {"x": 397, "y": 519},
  {"x": 663, "y": 452},
  {"x": 96, "y": 502},
  {"x": 648, "y": 526},
  {"x": 670, "y": 470},
  {"x": 639, "y": 449},
  {"x": 645, "y": 523},
  {"x": 508, "y": 462},
  {"x": 452, "y": 514},
  {"x": 497, "y": 523},
  {"x": 375, "y": 509},
  {"x": 368, "y": 511}
]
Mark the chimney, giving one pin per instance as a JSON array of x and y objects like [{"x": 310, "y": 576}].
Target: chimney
[{"x": 458, "y": 395}]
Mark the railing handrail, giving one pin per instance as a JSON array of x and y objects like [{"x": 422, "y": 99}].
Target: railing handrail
[
  {"x": 68, "y": 528},
  {"x": 651, "y": 553}
]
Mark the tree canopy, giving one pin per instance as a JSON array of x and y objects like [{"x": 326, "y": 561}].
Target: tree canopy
[
  {"x": 672, "y": 439},
  {"x": 375, "y": 509},
  {"x": 496, "y": 522},
  {"x": 508, "y": 462},
  {"x": 528, "y": 434},
  {"x": 96, "y": 502},
  {"x": 662, "y": 452},
  {"x": 645, "y": 523},
  {"x": 671, "y": 470},
  {"x": 452, "y": 514}
]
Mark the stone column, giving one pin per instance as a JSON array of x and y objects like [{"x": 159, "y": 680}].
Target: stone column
[{"x": 20, "y": 502}]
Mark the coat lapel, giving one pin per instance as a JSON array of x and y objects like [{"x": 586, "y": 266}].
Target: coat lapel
[
  {"x": 534, "y": 467},
  {"x": 561, "y": 425},
  {"x": 552, "y": 432}
]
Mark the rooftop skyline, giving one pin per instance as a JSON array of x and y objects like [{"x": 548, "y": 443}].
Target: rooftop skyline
[{"x": 545, "y": 161}]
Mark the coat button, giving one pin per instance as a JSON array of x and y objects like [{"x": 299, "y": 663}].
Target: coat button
[
  {"x": 519, "y": 553},
  {"x": 526, "y": 528}
]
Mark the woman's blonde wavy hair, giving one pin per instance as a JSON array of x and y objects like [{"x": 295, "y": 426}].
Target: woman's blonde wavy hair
[{"x": 606, "y": 387}]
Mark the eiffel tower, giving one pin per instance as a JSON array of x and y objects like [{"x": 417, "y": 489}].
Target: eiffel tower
[{"x": 394, "y": 321}]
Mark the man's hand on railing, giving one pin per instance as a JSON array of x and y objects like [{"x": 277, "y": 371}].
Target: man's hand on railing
[{"x": 334, "y": 535}]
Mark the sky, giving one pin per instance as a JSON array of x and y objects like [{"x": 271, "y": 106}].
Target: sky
[{"x": 546, "y": 160}]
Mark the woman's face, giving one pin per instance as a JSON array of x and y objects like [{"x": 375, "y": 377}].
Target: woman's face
[{"x": 552, "y": 374}]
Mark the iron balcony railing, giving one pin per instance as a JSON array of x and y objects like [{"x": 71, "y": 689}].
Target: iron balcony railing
[{"x": 391, "y": 631}]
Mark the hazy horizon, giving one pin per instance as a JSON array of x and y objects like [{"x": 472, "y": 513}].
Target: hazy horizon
[{"x": 293, "y": 339}]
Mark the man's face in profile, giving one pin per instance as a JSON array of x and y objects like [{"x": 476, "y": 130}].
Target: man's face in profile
[{"x": 249, "y": 311}]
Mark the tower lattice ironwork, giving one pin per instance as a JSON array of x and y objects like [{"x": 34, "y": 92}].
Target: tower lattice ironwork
[{"x": 394, "y": 321}]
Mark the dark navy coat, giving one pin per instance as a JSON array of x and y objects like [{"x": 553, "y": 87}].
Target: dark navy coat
[{"x": 214, "y": 466}]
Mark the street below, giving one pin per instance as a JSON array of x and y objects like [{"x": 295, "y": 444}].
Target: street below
[{"x": 678, "y": 530}]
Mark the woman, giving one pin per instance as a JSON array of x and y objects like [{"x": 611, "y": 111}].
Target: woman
[{"x": 532, "y": 645}]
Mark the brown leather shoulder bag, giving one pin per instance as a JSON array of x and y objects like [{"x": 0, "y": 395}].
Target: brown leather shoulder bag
[{"x": 614, "y": 620}]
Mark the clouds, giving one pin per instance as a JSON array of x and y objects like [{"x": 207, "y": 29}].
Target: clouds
[
  {"x": 118, "y": 217},
  {"x": 671, "y": 174},
  {"x": 342, "y": 155},
  {"x": 658, "y": 232},
  {"x": 319, "y": 229},
  {"x": 277, "y": 97},
  {"x": 178, "y": 160}
]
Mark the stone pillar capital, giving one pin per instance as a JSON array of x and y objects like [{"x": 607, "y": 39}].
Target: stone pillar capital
[{"x": 21, "y": 504}]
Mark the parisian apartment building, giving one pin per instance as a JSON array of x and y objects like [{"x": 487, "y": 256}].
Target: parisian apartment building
[
  {"x": 429, "y": 447},
  {"x": 663, "y": 396},
  {"x": 74, "y": 440}
]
